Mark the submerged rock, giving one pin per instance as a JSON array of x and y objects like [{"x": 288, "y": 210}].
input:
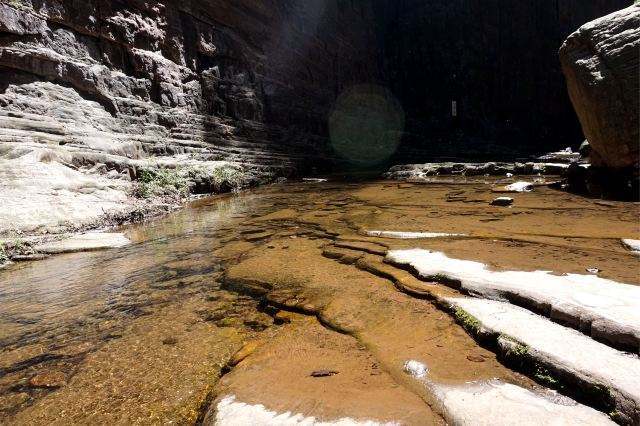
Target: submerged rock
[
  {"x": 49, "y": 379},
  {"x": 85, "y": 242},
  {"x": 323, "y": 373},
  {"x": 259, "y": 236},
  {"x": 243, "y": 353}
]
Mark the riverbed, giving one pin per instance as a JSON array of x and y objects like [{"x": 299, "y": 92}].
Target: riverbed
[{"x": 278, "y": 297}]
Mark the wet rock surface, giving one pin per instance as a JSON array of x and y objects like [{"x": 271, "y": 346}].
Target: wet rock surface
[
  {"x": 422, "y": 171},
  {"x": 85, "y": 242}
]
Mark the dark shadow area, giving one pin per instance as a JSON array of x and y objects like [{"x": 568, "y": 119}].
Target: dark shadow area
[{"x": 481, "y": 79}]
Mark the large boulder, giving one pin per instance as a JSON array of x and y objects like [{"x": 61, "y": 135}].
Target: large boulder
[{"x": 601, "y": 62}]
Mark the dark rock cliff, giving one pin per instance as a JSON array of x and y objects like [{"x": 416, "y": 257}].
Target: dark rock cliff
[{"x": 496, "y": 59}]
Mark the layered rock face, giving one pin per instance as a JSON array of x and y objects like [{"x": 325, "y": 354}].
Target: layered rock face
[
  {"x": 121, "y": 84},
  {"x": 481, "y": 79},
  {"x": 164, "y": 69},
  {"x": 602, "y": 64}
]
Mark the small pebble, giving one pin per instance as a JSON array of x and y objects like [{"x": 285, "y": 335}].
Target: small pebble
[
  {"x": 502, "y": 202},
  {"x": 49, "y": 379},
  {"x": 323, "y": 373},
  {"x": 170, "y": 341}
]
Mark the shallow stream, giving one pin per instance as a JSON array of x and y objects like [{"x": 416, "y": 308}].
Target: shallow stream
[{"x": 141, "y": 334}]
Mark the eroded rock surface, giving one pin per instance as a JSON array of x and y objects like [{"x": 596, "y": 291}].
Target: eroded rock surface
[
  {"x": 326, "y": 330},
  {"x": 612, "y": 376}
]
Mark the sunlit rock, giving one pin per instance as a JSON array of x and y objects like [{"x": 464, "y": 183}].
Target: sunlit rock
[
  {"x": 85, "y": 242},
  {"x": 633, "y": 245},
  {"x": 416, "y": 369},
  {"x": 230, "y": 412},
  {"x": 519, "y": 187},
  {"x": 503, "y": 404},
  {"x": 572, "y": 355},
  {"x": 609, "y": 310}
]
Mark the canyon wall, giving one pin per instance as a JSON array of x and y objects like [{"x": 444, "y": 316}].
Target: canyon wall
[
  {"x": 93, "y": 93},
  {"x": 242, "y": 79},
  {"x": 496, "y": 59},
  {"x": 256, "y": 80},
  {"x": 96, "y": 94}
]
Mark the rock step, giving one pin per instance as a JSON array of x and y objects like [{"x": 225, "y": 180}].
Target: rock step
[
  {"x": 604, "y": 309},
  {"x": 477, "y": 403},
  {"x": 503, "y": 404},
  {"x": 608, "y": 377}
]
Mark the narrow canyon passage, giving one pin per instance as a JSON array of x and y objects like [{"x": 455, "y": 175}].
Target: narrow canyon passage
[
  {"x": 320, "y": 212},
  {"x": 290, "y": 302}
]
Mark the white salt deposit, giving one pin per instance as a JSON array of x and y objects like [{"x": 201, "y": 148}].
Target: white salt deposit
[
  {"x": 612, "y": 308},
  {"x": 233, "y": 413},
  {"x": 498, "y": 403},
  {"x": 410, "y": 235}
]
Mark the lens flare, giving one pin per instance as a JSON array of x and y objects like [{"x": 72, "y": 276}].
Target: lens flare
[{"x": 366, "y": 125}]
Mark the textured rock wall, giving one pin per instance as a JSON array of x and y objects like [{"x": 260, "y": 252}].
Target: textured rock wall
[
  {"x": 166, "y": 77},
  {"x": 497, "y": 59},
  {"x": 602, "y": 64}
]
